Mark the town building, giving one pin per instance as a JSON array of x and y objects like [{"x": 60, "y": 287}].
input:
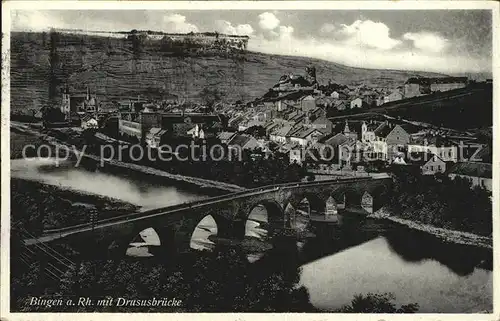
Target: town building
[
  {"x": 295, "y": 156},
  {"x": 368, "y": 131},
  {"x": 423, "y": 86},
  {"x": 155, "y": 137},
  {"x": 279, "y": 135},
  {"x": 394, "y": 96},
  {"x": 369, "y": 101},
  {"x": 244, "y": 142},
  {"x": 478, "y": 174},
  {"x": 197, "y": 132},
  {"x": 304, "y": 136},
  {"x": 389, "y": 139},
  {"x": 356, "y": 103},
  {"x": 74, "y": 106},
  {"x": 428, "y": 163},
  {"x": 436, "y": 145},
  {"x": 322, "y": 124},
  {"x": 308, "y": 103},
  {"x": 351, "y": 130},
  {"x": 340, "y": 105},
  {"x": 137, "y": 124},
  {"x": 225, "y": 137},
  {"x": 89, "y": 122}
]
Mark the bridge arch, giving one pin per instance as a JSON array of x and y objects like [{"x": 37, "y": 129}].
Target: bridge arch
[
  {"x": 263, "y": 217},
  {"x": 202, "y": 233},
  {"x": 331, "y": 206}
]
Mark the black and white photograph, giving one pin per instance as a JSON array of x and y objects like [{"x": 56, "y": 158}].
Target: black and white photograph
[{"x": 175, "y": 157}]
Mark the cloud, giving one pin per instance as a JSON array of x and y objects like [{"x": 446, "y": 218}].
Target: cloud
[
  {"x": 177, "y": 23},
  {"x": 268, "y": 21},
  {"x": 368, "y": 33},
  {"x": 327, "y": 28},
  {"x": 27, "y": 20},
  {"x": 352, "y": 54},
  {"x": 226, "y": 27},
  {"x": 427, "y": 41},
  {"x": 285, "y": 31}
]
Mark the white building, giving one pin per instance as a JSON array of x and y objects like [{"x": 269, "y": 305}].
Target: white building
[
  {"x": 356, "y": 103},
  {"x": 89, "y": 122}
]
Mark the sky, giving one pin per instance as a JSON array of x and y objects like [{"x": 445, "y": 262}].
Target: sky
[{"x": 447, "y": 41}]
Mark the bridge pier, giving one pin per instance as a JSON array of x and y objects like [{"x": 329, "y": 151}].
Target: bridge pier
[
  {"x": 230, "y": 229},
  {"x": 168, "y": 244}
]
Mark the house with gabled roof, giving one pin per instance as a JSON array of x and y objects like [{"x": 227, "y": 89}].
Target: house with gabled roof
[
  {"x": 243, "y": 141},
  {"x": 340, "y": 105},
  {"x": 389, "y": 140},
  {"x": 428, "y": 163},
  {"x": 279, "y": 134},
  {"x": 305, "y": 136},
  {"x": 225, "y": 137},
  {"x": 356, "y": 103}
]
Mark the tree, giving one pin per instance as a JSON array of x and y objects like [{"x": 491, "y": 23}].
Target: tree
[
  {"x": 256, "y": 131},
  {"x": 211, "y": 96},
  {"x": 376, "y": 303}
]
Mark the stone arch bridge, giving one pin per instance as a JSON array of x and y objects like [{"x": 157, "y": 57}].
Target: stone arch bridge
[{"x": 176, "y": 224}]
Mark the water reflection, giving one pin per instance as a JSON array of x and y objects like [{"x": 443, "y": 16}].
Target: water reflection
[
  {"x": 200, "y": 240},
  {"x": 257, "y": 223},
  {"x": 374, "y": 267},
  {"x": 136, "y": 190},
  {"x": 356, "y": 256}
]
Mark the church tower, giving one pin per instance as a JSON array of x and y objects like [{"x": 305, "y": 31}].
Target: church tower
[{"x": 346, "y": 128}]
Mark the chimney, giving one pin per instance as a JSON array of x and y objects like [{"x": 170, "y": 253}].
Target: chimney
[{"x": 88, "y": 93}]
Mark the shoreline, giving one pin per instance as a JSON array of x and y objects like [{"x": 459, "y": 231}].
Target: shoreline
[
  {"x": 201, "y": 182},
  {"x": 446, "y": 235}
]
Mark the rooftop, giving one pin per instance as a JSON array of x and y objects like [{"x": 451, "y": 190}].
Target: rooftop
[
  {"x": 472, "y": 169},
  {"x": 441, "y": 80}
]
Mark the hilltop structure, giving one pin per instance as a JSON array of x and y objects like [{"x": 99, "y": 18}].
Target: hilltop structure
[
  {"x": 201, "y": 39},
  {"x": 291, "y": 82},
  {"x": 422, "y": 86}
]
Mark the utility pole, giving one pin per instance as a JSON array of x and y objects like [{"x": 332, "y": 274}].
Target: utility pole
[{"x": 93, "y": 219}]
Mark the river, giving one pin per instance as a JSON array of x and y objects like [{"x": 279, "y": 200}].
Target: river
[{"x": 360, "y": 256}]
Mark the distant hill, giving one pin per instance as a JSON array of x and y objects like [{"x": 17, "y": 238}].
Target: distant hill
[
  {"x": 465, "y": 108},
  {"x": 116, "y": 70}
]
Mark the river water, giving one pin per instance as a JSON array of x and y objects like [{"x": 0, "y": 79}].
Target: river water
[{"x": 359, "y": 256}]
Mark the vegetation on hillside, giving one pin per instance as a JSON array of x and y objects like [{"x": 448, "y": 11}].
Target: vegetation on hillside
[{"x": 442, "y": 202}]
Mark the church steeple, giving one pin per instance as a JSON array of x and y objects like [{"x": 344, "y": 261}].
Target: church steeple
[{"x": 346, "y": 128}]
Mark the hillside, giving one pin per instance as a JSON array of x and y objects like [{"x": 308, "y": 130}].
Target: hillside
[
  {"x": 115, "y": 71},
  {"x": 464, "y": 108}
]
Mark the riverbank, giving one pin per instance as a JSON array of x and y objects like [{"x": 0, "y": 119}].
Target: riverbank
[
  {"x": 446, "y": 235},
  {"x": 38, "y": 206},
  {"x": 205, "y": 183}
]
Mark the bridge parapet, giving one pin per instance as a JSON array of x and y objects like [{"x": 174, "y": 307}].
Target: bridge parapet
[{"x": 230, "y": 211}]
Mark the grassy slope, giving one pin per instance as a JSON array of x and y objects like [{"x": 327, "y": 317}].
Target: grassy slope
[{"x": 108, "y": 66}]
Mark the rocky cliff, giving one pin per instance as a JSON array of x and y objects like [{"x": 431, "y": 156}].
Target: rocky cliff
[{"x": 42, "y": 63}]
